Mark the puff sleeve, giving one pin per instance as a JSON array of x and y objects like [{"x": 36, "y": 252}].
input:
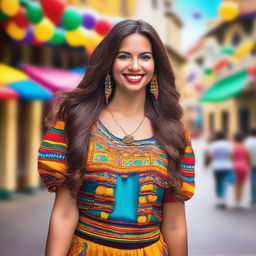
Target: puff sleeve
[
  {"x": 187, "y": 169},
  {"x": 52, "y": 165}
]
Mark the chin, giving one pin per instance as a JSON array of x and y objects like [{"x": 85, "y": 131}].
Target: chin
[{"x": 134, "y": 88}]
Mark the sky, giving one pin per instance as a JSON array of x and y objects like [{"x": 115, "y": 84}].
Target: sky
[{"x": 195, "y": 27}]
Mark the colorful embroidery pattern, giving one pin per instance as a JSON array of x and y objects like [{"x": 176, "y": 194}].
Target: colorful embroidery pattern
[{"x": 109, "y": 158}]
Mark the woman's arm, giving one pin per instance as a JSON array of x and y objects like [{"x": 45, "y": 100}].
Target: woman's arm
[
  {"x": 174, "y": 228},
  {"x": 64, "y": 219}
]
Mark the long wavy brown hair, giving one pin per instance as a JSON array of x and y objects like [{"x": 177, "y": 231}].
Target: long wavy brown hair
[{"x": 81, "y": 107}]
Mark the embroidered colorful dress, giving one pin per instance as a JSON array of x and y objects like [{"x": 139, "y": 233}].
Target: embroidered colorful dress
[{"x": 120, "y": 199}]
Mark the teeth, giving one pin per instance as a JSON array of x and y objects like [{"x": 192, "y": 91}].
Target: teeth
[{"x": 134, "y": 77}]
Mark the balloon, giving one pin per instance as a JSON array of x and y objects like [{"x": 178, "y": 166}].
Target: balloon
[
  {"x": 208, "y": 71},
  {"x": 199, "y": 87},
  {"x": 227, "y": 50},
  {"x": 71, "y": 19},
  {"x": 228, "y": 10},
  {"x": 102, "y": 27},
  {"x": 34, "y": 13},
  {"x": 191, "y": 77},
  {"x": 252, "y": 71},
  {"x": 44, "y": 30},
  {"x": 89, "y": 21},
  {"x": 3, "y": 16},
  {"x": 9, "y": 7},
  {"x": 53, "y": 9},
  {"x": 20, "y": 18},
  {"x": 29, "y": 35},
  {"x": 244, "y": 49},
  {"x": 221, "y": 64},
  {"x": 15, "y": 31},
  {"x": 35, "y": 41},
  {"x": 58, "y": 37},
  {"x": 197, "y": 15},
  {"x": 92, "y": 40},
  {"x": 76, "y": 37}
]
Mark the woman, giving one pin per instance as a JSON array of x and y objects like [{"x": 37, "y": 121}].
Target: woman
[
  {"x": 119, "y": 146},
  {"x": 241, "y": 161},
  {"x": 250, "y": 144},
  {"x": 220, "y": 154}
]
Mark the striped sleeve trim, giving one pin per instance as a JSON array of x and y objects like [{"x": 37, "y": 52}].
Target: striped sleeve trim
[
  {"x": 52, "y": 165},
  {"x": 187, "y": 172}
]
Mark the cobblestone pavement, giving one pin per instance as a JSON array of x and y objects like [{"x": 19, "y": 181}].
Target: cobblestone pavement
[{"x": 212, "y": 232}]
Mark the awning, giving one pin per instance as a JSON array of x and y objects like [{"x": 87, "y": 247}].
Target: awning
[
  {"x": 78, "y": 70},
  {"x": 17, "y": 84},
  {"x": 29, "y": 90},
  {"x": 10, "y": 75},
  {"x": 7, "y": 93},
  {"x": 52, "y": 78},
  {"x": 226, "y": 88}
]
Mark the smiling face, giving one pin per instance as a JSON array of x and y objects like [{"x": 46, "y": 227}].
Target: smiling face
[{"x": 133, "y": 67}]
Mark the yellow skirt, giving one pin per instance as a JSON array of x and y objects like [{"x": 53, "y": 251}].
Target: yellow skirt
[{"x": 82, "y": 247}]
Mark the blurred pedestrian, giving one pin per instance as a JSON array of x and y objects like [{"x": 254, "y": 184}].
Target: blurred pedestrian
[
  {"x": 219, "y": 153},
  {"x": 241, "y": 161},
  {"x": 250, "y": 144},
  {"x": 118, "y": 156}
]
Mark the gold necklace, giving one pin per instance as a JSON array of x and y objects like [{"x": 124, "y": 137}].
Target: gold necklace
[{"x": 128, "y": 138}]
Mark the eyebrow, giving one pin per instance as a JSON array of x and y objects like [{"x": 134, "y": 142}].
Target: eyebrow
[{"x": 140, "y": 53}]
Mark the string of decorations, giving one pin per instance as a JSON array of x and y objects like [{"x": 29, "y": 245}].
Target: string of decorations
[
  {"x": 54, "y": 22},
  {"x": 226, "y": 55}
]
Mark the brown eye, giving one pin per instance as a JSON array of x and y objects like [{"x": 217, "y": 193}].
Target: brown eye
[
  {"x": 146, "y": 57},
  {"x": 123, "y": 57}
]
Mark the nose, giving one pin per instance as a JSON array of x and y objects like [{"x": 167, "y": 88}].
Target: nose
[{"x": 134, "y": 65}]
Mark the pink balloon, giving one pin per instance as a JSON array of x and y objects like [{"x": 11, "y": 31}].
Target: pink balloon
[{"x": 53, "y": 9}]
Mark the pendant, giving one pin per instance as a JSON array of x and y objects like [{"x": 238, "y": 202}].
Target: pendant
[{"x": 128, "y": 139}]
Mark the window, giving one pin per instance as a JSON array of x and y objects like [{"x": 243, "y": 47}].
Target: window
[
  {"x": 225, "y": 121},
  {"x": 236, "y": 39},
  {"x": 200, "y": 61},
  {"x": 244, "y": 119},
  {"x": 211, "y": 123}
]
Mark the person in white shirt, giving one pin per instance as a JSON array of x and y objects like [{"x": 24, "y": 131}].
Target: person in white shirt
[
  {"x": 220, "y": 152},
  {"x": 250, "y": 144}
]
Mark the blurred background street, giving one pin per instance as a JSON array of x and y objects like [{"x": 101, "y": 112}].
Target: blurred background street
[{"x": 44, "y": 49}]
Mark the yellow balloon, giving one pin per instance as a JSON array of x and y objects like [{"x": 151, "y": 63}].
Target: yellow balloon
[
  {"x": 244, "y": 49},
  {"x": 92, "y": 40},
  {"x": 76, "y": 37},
  {"x": 228, "y": 10},
  {"x": 9, "y": 7},
  {"x": 44, "y": 30},
  {"x": 15, "y": 31}
]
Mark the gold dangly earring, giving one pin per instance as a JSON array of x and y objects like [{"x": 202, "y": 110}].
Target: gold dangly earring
[
  {"x": 108, "y": 87},
  {"x": 154, "y": 87}
]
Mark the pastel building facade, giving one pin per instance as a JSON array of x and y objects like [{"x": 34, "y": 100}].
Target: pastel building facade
[{"x": 224, "y": 63}]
